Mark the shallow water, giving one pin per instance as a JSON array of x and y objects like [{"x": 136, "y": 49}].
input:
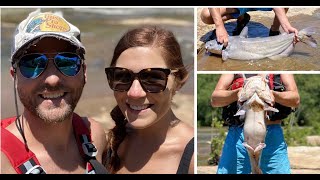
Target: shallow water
[
  {"x": 304, "y": 58},
  {"x": 100, "y": 30}
]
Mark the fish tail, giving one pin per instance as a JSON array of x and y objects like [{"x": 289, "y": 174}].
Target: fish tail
[{"x": 305, "y": 36}]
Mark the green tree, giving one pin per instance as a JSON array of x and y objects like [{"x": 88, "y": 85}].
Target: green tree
[
  {"x": 309, "y": 90},
  {"x": 205, "y": 86}
]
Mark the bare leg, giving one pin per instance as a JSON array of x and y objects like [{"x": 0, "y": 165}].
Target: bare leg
[
  {"x": 206, "y": 17},
  {"x": 276, "y": 23},
  {"x": 242, "y": 21}
]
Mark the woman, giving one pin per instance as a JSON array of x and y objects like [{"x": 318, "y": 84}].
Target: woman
[{"x": 145, "y": 73}]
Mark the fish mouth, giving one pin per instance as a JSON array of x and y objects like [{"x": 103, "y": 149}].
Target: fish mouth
[
  {"x": 256, "y": 106},
  {"x": 214, "y": 51},
  {"x": 255, "y": 103}
]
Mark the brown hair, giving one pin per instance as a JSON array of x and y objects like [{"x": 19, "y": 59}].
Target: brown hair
[{"x": 149, "y": 36}]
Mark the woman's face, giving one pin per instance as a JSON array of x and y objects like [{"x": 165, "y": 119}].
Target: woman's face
[{"x": 141, "y": 108}]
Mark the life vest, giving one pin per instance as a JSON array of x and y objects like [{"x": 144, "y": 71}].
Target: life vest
[
  {"x": 24, "y": 161},
  {"x": 274, "y": 83}
]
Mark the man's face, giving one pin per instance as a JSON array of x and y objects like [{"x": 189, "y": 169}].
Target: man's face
[{"x": 52, "y": 96}]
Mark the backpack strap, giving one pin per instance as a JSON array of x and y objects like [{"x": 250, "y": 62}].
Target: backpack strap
[
  {"x": 271, "y": 81},
  {"x": 22, "y": 159},
  {"x": 186, "y": 158},
  {"x": 7, "y": 122},
  {"x": 238, "y": 81},
  {"x": 87, "y": 150}
]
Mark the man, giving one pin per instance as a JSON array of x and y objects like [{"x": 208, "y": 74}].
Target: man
[
  {"x": 274, "y": 158},
  {"x": 49, "y": 74},
  {"x": 217, "y": 16}
]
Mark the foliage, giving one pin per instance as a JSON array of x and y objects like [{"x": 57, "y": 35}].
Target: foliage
[
  {"x": 309, "y": 109},
  {"x": 217, "y": 142},
  {"x": 305, "y": 121},
  {"x": 205, "y": 86},
  {"x": 296, "y": 135},
  {"x": 293, "y": 134}
]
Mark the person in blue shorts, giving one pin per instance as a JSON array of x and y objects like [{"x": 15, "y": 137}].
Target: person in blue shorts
[
  {"x": 217, "y": 16},
  {"x": 234, "y": 157}
]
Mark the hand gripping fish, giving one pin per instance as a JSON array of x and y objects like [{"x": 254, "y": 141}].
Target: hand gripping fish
[
  {"x": 255, "y": 93},
  {"x": 273, "y": 47}
]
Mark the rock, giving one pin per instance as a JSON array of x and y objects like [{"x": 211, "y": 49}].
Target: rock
[
  {"x": 304, "y": 157},
  {"x": 313, "y": 140}
]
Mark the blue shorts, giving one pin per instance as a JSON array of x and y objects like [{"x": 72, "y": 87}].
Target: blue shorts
[
  {"x": 274, "y": 157},
  {"x": 241, "y": 11}
]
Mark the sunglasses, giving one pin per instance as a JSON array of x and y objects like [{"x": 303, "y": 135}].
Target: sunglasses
[
  {"x": 152, "y": 80},
  {"x": 32, "y": 65}
]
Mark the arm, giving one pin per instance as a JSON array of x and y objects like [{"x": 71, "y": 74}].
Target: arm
[
  {"x": 221, "y": 96},
  {"x": 290, "y": 97},
  {"x": 221, "y": 32},
  {"x": 283, "y": 19}
]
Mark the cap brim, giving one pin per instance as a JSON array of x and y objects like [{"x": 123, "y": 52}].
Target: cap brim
[{"x": 19, "y": 51}]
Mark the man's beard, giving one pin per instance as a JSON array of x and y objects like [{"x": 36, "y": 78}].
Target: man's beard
[{"x": 52, "y": 114}]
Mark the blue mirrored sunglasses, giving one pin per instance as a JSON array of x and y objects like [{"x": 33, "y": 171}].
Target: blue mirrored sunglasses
[{"x": 32, "y": 65}]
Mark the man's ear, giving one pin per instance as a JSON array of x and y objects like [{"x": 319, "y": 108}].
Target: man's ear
[
  {"x": 84, "y": 66},
  {"x": 12, "y": 72}
]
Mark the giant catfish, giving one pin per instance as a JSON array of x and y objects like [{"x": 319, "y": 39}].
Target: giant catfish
[
  {"x": 274, "y": 47},
  {"x": 256, "y": 98}
]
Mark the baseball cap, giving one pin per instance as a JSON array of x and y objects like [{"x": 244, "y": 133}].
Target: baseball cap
[{"x": 44, "y": 24}]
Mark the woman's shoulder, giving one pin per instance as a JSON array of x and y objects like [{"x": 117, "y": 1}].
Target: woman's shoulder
[
  {"x": 185, "y": 130},
  {"x": 183, "y": 133}
]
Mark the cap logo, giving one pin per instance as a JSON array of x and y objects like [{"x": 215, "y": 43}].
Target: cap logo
[{"x": 47, "y": 22}]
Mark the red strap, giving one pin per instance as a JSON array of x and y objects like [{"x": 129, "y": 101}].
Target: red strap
[
  {"x": 7, "y": 122},
  {"x": 13, "y": 148},
  {"x": 237, "y": 83},
  {"x": 80, "y": 129},
  {"x": 271, "y": 81},
  {"x": 16, "y": 151}
]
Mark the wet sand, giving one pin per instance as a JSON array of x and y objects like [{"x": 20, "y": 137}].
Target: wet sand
[{"x": 304, "y": 58}]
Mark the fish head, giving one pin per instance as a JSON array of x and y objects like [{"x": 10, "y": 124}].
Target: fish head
[
  {"x": 259, "y": 85},
  {"x": 214, "y": 47},
  {"x": 256, "y": 103}
]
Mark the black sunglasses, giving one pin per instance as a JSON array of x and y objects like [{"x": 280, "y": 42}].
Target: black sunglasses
[
  {"x": 152, "y": 80},
  {"x": 33, "y": 65}
]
